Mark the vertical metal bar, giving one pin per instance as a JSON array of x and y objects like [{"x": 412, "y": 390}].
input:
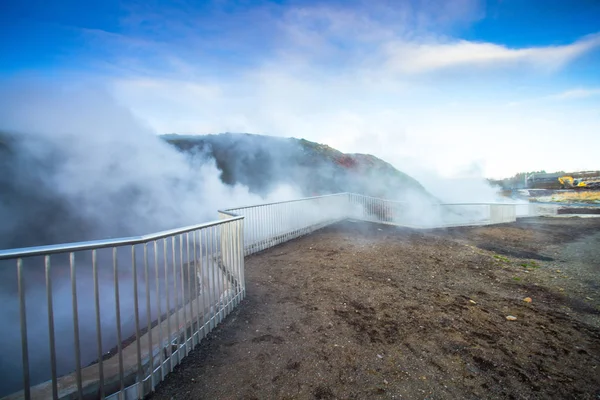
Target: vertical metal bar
[
  {"x": 189, "y": 290},
  {"x": 169, "y": 332},
  {"x": 220, "y": 266},
  {"x": 206, "y": 286},
  {"x": 158, "y": 311},
  {"x": 286, "y": 221},
  {"x": 263, "y": 227},
  {"x": 274, "y": 222},
  {"x": 118, "y": 320},
  {"x": 176, "y": 299},
  {"x": 224, "y": 235},
  {"x": 273, "y": 214},
  {"x": 76, "y": 325},
  {"x": 218, "y": 274},
  {"x": 252, "y": 217},
  {"x": 52, "y": 340},
  {"x": 149, "y": 318},
  {"x": 255, "y": 226},
  {"x": 269, "y": 211},
  {"x": 233, "y": 263},
  {"x": 213, "y": 255},
  {"x": 23, "y": 317},
  {"x": 240, "y": 249},
  {"x": 233, "y": 266},
  {"x": 220, "y": 271},
  {"x": 213, "y": 241},
  {"x": 269, "y": 220},
  {"x": 224, "y": 270},
  {"x": 98, "y": 324},
  {"x": 237, "y": 232},
  {"x": 227, "y": 267},
  {"x": 242, "y": 258},
  {"x": 292, "y": 220},
  {"x": 183, "y": 295},
  {"x": 280, "y": 225},
  {"x": 136, "y": 310},
  {"x": 259, "y": 225},
  {"x": 197, "y": 294},
  {"x": 249, "y": 240}
]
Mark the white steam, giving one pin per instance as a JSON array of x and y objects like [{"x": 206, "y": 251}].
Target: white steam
[{"x": 112, "y": 171}]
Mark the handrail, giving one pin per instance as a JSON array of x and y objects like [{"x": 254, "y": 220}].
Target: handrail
[
  {"x": 288, "y": 201},
  {"x": 104, "y": 243},
  {"x": 132, "y": 240}
]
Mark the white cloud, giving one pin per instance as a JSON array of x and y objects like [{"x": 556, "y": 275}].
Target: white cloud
[
  {"x": 416, "y": 58},
  {"x": 579, "y": 93}
]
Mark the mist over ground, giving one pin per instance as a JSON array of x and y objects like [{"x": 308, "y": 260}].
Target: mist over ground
[{"x": 77, "y": 166}]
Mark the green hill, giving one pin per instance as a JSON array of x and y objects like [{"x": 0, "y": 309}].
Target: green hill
[{"x": 263, "y": 162}]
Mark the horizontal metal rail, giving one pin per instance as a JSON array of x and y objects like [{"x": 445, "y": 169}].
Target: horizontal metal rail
[{"x": 103, "y": 243}]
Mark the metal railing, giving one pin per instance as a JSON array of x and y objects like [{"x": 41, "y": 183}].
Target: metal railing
[
  {"x": 111, "y": 318},
  {"x": 427, "y": 214},
  {"x": 267, "y": 225}
]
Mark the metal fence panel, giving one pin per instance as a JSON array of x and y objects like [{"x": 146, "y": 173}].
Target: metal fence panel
[{"x": 112, "y": 318}]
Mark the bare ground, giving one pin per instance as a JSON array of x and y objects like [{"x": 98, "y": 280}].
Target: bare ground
[{"x": 362, "y": 311}]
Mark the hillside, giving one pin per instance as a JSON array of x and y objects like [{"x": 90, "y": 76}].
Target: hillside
[{"x": 263, "y": 162}]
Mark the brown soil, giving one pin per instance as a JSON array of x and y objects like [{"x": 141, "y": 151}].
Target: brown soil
[
  {"x": 579, "y": 210},
  {"x": 362, "y": 311}
]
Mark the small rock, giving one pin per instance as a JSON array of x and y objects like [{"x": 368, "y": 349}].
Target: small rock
[
  {"x": 511, "y": 318},
  {"x": 385, "y": 382},
  {"x": 379, "y": 356},
  {"x": 527, "y": 300}
]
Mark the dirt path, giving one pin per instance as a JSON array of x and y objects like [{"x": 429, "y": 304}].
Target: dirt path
[{"x": 361, "y": 311}]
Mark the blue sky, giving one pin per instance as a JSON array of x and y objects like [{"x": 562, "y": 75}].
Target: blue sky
[{"x": 452, "y": 88}]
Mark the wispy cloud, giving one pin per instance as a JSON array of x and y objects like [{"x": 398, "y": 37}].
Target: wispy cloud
[
  {"x": 579, "y": 93},
  {"x": 409, "y": 57}
]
